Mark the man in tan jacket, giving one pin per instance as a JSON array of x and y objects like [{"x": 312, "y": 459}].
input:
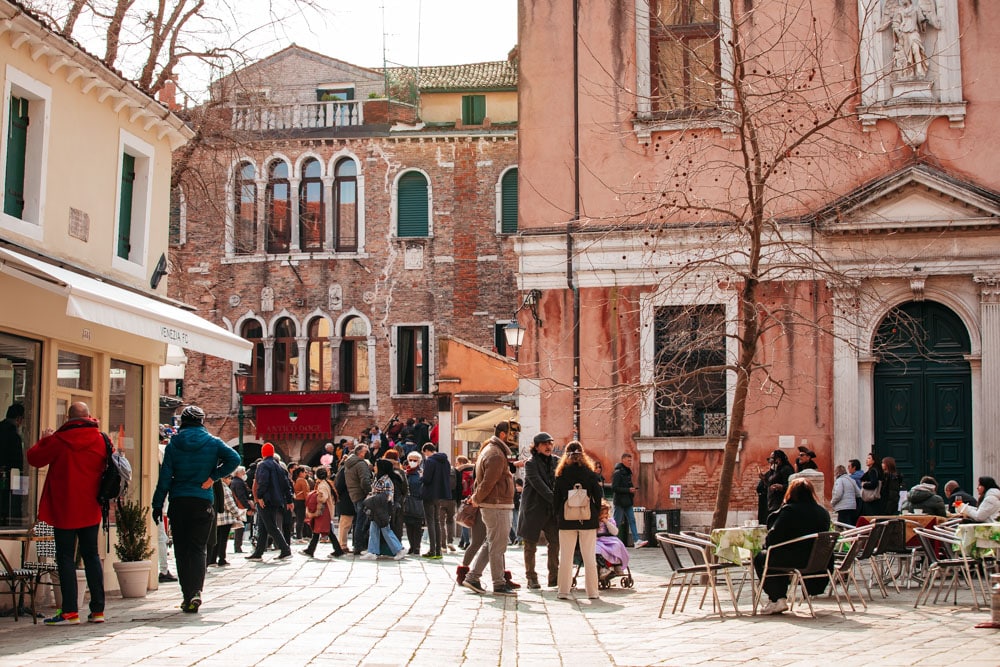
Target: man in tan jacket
[{"x": 494, "y": 496}]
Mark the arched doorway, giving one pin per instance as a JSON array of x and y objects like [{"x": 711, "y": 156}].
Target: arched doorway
[{"x": 923, "y": 395}]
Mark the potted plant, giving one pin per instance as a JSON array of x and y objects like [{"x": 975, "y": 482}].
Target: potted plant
[{"x": 133, "y": 548}]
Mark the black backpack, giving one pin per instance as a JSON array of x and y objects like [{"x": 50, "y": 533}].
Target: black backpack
[{"x": 114, "y": 480}]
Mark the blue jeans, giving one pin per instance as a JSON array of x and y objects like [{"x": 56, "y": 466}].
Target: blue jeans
[
  {"x": 390, "y": 539},
  {"x": 361, "y": 532},
  {"x": 65, "y": 540},
  {"x": 627, "y": 515}
]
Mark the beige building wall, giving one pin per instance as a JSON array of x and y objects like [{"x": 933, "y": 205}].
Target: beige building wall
[{"x": 501, "y": 106}]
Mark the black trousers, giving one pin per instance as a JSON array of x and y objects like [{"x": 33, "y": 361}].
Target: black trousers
[
  {"x": 66, "y": 542},
  {"x": 192, "y": 520},
  {"x": 218, "y": 555},
  {"x": 414, "y": 533},
  {"x": 269, "y": 517},
  {"x": 334, "y": 542}
]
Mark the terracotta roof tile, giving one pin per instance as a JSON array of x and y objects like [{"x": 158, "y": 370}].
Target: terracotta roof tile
[{"x": 500, "y": 74}]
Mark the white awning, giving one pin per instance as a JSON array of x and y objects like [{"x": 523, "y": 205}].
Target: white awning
[
  {"x": 118, "y": 308},
  {"x": 482, "y": 427}
]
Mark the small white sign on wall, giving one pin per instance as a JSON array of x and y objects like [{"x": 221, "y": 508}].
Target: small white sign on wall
[
  {"x": 786, "y": 441},
  {"x": 675, "y": 490}
]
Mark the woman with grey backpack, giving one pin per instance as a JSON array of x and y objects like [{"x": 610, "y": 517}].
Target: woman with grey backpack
[{"x": 577, "y": 497}]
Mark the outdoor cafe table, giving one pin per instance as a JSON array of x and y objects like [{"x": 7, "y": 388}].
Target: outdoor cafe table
[
  {"x": 729, "y": 541},
  {"x": 922, "y": 521},
  {"x": 978, "y": 539}
]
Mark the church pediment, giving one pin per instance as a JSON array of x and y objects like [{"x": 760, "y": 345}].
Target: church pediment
[{"x": 915, "y": 199}]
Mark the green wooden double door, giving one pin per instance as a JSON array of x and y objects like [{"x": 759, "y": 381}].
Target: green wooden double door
[{"x": 923, "y": 394}]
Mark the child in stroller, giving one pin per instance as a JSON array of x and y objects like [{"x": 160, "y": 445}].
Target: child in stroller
[{"x": 612, "y": 556}]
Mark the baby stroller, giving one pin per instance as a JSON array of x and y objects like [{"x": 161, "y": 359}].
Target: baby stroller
[{"x": 606, "y": 572}]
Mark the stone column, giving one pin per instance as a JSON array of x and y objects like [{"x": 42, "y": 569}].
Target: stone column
[
  {"x": 846, "y": 422},
  {"x": 303, "y": 379},
  {"x": 293, "y": 202},
  {"x": 986, "y": 443},
  {"x": 268, "y": 364}
]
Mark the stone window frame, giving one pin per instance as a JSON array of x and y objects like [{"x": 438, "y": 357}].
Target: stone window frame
[
  {"x": 31, "y": 222},
  {"x": 394, "y": 371},
  {"x": 144, "y": 155},
  {"x": 499, "y": 190}
]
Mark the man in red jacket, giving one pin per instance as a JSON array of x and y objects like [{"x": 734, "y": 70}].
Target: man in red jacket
[{"x": 76, "y": 455}]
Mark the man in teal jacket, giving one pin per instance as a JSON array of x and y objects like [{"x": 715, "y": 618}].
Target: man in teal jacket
[{"x": 192, "y": 462}]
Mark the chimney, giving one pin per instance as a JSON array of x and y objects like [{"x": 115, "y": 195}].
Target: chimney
[{"x": 168, "y": 95}]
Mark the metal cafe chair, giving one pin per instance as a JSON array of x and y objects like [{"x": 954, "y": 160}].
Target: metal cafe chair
[
  {"x": 843, "y": 571},
  {"x": 702, "y": 555},
  {"x": 823, "y": 546},
  {"x": 18, "y": 581},
  {"x": 45, "y": 553},
  {"x": 679, "y": 574},
  {"x": 867, "y": 555},
  {"x": 958, "y": 568}
]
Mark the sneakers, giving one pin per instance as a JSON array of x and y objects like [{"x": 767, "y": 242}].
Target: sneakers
[
  {"x": 460, "y": 572},
  {"x": 95, "y": 617},
  {"x": 368, "y": 556},
  {"x": 191, "y": 606},
  {"x": 166, "y": 576},
  {"x": 473, "y": 585},
  {"x": 69, "y": 618},
  {"x": 775, "y": 607},
  {"x": 640, "y": 544},
  {"x": 509, "y": 580},
  {"x": 401, "y": 554},
  {"x": 451, "y": 548},
  {"x": 504, "y": 591}
]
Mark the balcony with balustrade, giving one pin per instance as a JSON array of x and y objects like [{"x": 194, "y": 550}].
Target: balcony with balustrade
[{"x": 325, "y": 115}]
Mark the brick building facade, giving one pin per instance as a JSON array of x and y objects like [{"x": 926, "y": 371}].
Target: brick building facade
[{"x": 343, "y": 234}]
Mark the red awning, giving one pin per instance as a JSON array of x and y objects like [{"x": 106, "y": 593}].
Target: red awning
[{"x": 295, "y": 414}]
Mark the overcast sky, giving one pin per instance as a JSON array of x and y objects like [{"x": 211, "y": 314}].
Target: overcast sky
[{"x": 425, "y": 32}]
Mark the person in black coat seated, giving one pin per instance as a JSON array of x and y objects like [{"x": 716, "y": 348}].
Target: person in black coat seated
[
  {"x": 778, "y": 472},
  {"x": 800, "y": 515},
  {"x": 576, "y": 468}
]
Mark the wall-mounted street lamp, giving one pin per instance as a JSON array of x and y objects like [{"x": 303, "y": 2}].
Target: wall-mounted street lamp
[
  {"x": 241, "y": 378},
  {"x": 514, "y": 334}
]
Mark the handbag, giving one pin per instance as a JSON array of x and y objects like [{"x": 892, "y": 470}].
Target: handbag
[
  {"x": 577, "y": 505},
  {"x": 869, "y": 495},
  {"x": 466, "y": 514}
]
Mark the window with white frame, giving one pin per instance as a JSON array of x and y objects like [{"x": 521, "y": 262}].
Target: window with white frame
[
  {"x": 354, "y": 376},
  {"x": 507, "y": 202},
  {"x": 278, "y": 211},
  {"x": 245, "y": 209},
  {"x": 412, "y": 205},
  {"x": 26, "y": 113},
  {"x": 684, "y": 65},
  {"x": 312, "y": 211},
  {"x": 690, "y": 370},
  {"x": 345, "y": 212},
  {"x": 412, "y": 359},
  {"x": 132, "y": 222}
]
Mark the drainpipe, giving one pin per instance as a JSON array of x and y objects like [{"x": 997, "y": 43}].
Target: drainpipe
[{"x": 570, "y": 275}]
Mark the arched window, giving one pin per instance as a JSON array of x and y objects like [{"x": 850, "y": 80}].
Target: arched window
[
  {"x": 320, "y": 355},
  {"x": 508, "y": 202},
  {"x": 279, "y": 213},
  {"x": 312, "y": 215},
  {"x": 245, "y": 210},
  {"x": 345, "y": 191},
  {"x": 411, "y": 205},
  {"x": 354, "y": 357},
  {"x": 253, "y": 332},
  {"x": 285, "y": 357}
]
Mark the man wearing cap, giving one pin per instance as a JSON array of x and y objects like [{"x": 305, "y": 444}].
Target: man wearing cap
[
  {"x": 806, "y": 460},
  {"x": 192, "y": 462},
  {"x": 537, "y": 514},
  {"x": 273, "y": 491}
]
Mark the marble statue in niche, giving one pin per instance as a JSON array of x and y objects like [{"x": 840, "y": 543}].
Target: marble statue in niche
[
  {"x": 909, "y": 20},
  {"x": 267, "y": 299}
]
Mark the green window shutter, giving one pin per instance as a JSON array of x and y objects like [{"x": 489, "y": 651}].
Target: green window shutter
[
  {"x": 508, "y": 203},
  {"x": 473, "y": 109},
  {"x": 17, "y": 146},
  {"x": 411, "y": 205},
  {"x": 125, "y": 206}
]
